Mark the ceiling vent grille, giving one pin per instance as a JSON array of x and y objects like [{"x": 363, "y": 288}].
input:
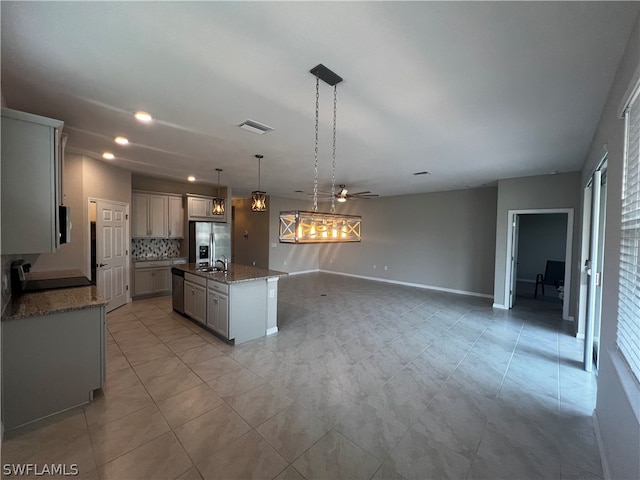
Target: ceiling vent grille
[{"x": 255, "y": 127}]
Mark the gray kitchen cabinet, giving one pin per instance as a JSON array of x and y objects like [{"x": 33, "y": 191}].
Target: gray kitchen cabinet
[
  {"x": 199, "y": 209},
  {"x": 152, "y": 278},
  {"x": 51, "y": 363},
  {"x": 176, "y": 217},
  {"x": 218, "y": 307},
  {"x": 195, "y": 298},
  {"x": 31, "y": 182},
  {"x": 150, "y": 215}
]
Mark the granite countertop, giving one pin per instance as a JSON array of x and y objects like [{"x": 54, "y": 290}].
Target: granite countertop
[
  {"x": 33, "y": 304},
  {"x": 44, "y": 302},
  {"x": 150, "y": 258},
  {"x": 237, "y": 273}
]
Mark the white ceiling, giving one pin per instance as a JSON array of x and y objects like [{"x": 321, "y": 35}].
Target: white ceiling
[{"x": 471, "y": 92}]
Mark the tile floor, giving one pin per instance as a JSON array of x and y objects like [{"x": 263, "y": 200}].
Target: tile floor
[{"x": 363, "y": 380}]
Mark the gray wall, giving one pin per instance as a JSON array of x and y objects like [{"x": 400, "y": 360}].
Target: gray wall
[
  {"x": 252, "y": 249},
  {"x": 539, "y": 192},
  {"x": 617, "y": 408},
  {"x": 287, "y": 257},
  {"x": 85, "y": 177},
  {"x": 542, "y": 237},
  {"x": 444, "y": 240}
]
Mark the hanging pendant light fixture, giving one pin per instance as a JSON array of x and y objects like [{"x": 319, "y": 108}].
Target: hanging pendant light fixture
[
  {"x": 258, "y": 197},
  {"x": 299, "y": 226},
  {"x": 217, "y": 205}
]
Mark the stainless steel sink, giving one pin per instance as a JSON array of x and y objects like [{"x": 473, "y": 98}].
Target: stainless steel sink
[{"x": 208, "y": 269}]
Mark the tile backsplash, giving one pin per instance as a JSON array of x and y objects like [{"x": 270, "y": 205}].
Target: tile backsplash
[{"x": 149, "y": 248}]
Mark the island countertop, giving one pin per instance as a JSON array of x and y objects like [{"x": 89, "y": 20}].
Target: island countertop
[{"x": 237, "y": 273}]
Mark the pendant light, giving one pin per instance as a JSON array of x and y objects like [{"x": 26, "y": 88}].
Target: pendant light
[
  {"x": 258, "y": 197},
  {"x": 299, "y": 226},
  {"x": 217, "y": 205}
]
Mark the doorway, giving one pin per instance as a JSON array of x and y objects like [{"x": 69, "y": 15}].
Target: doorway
[
  {"x": 109, "y": 253},
  {"x": 527, "y": 266},
  {"x": 592, "y": 262}
]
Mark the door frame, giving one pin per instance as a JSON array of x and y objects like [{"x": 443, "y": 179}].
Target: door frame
[
  {"x": 568, "y": 253},
  {"x": 127, "y": 266}
]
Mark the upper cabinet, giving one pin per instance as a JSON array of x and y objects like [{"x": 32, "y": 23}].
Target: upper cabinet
[
  {"x": 200, "y": 208},
  {"x": 176, "y": 217},
  {"x": 31, "y": 182},
  {"x": 156, "y": 215}
]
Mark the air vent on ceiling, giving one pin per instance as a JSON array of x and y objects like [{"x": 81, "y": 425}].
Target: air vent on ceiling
[
  {"x": 422, "y": 173},
  {"x": 255, "y": 127}
]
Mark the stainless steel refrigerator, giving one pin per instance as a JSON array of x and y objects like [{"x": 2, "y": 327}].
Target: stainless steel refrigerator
[{"x": 208, "y": 242}]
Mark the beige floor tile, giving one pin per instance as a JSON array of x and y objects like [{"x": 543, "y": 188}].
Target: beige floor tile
[
  {"x": 166, "y": 377},
  {"x": 185, "y": 343},
  {"x": 248, "y": 457},
  {"x": 189, "y": 404},
  {"x": 335, "y": 456},
  {"x": 199, "y": 354},
  {"x": 134, "y": 344},
  {"x": 293, "y": 431},
  {"x": 235, "y": 383},
  {"x": 178, "y": 331},
  {"x": 208, "y": 433},
  {"x": 148, "y": 354},
  {"x": 259, "y": 404},
  {"x": 121, "y": 326},
  {"x": 115, "y": 358},
  {"x": 191, "y": 474},
  {"x": 290, "y": 473},
  {"x": 130, "y": 333},
  {"x": 215, "y": 367},
  {"x": 123, "y": 435},
  {"x": 161, "y": 458},
  {"x": 163, "y": 324}
]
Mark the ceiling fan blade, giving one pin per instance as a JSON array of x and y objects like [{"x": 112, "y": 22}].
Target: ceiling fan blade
[{"x": 361, "y": 193}]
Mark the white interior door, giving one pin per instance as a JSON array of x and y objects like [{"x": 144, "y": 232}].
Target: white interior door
[
  {"x": 514, "y": 259},
  {"x": 112, "y": 253},
  {"x": 594, "y": 272}
]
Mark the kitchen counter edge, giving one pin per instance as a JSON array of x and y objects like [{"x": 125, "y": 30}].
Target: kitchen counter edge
[
  {"x": 34, "y": 304},
  {"x": 237, "y": 273}
]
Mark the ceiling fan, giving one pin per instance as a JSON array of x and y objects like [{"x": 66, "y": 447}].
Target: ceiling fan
[{"x": 343, "y": 194}]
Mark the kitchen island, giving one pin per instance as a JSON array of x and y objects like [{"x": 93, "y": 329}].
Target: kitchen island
[
  {"x": 239, "y": 305},
  {"x": 53, "y": 352}
]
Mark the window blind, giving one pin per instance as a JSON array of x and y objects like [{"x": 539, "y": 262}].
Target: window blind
[{"x": 628, "y": 334}]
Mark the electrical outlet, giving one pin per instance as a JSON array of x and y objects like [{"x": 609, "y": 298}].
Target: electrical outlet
[
  {"x": 285, "y": 262},
  {"x": 374, "y": 267},
  {"x": 272, "y": 293},
  {"x": 385, "y": 267},
  {"x": 273, "y": 245},
  {"x": 253, "y": 263}
]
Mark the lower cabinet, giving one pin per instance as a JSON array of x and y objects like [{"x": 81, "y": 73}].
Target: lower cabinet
[
  {"x": 195, "y": 299},
  {"x": 151, "y": 278},
  {"x": 218, "y": 309},
  {"x": 51, "y": 363}
]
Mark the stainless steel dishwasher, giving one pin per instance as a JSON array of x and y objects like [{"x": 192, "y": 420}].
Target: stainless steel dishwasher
[{"x": 177, "y": 284}]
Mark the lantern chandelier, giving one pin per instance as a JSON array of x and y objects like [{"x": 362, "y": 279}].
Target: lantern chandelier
[
  {"x": 299, "y": 226},
  {"x": 258, "y": 197},
  {"x": 217, "y": 205}
]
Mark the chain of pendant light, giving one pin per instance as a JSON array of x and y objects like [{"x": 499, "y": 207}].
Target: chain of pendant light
[{"x": 315, "y": 165}]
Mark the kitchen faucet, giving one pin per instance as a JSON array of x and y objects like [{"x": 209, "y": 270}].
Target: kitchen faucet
[{"x": 225, "y": 263}]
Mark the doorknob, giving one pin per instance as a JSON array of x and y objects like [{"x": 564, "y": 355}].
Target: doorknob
[{"x": 101, "y": 265}]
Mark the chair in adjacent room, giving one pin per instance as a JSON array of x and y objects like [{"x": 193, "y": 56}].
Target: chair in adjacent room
[{"x": 553, "y": 275}]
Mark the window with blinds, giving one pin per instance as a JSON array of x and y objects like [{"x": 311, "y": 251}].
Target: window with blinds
[{"x": 628, "y": 335}]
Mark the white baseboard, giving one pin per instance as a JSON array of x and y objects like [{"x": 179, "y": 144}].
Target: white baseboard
[
  {"x": 603, "y": 457},
  {"x": 410, "y": 284},
  {"x": 304, "y": 271},
  {"x": 500, "y": 306},
  {"x": 272, "y": 330}
]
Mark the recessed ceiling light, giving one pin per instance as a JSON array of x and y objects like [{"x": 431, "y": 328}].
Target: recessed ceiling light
[
  {"x": 422, "y": 173},
  {"x": 108, "y": 156},
  {"x": 143, "y": 117},
  {"x": 191, "y": 178},
  {"x": 121, "y": 140}
]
